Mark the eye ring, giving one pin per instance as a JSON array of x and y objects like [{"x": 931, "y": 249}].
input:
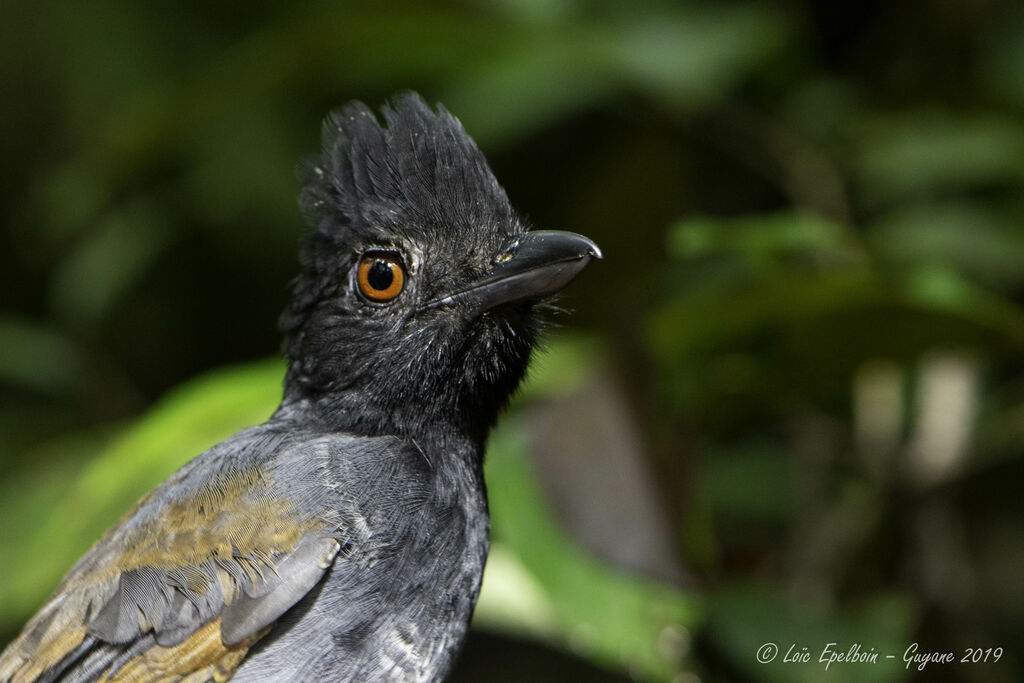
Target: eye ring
[{"x": 380, "y": 276}]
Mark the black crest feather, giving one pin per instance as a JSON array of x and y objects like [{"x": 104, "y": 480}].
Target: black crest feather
[{"x": 419, "y": 172}]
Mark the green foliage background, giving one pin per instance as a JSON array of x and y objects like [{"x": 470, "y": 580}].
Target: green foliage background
[{"x": 812, "y": 300}]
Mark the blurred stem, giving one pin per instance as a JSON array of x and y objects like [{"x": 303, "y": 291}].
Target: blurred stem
[
  {"x": 832, "y": 526},
  {"x": 946, "y": 411},
  {"x": 778, "y": 153},
  {"x": 879, "y": 416}
]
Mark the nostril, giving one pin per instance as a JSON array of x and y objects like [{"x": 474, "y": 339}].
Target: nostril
[{"x": 508, "y": 251}]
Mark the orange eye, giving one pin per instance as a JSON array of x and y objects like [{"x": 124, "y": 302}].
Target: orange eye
[{"x": 380, "y": 276}]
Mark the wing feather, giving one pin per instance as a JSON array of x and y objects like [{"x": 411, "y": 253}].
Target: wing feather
[
  {"x": 184, "y": 584},
  {"x": 296, "y": 576}
]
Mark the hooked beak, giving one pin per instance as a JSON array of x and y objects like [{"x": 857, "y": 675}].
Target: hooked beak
[{"x": 531, "y": 266}]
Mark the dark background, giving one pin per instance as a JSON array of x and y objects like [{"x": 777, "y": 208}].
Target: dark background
[{"x": 795, "y": 406}]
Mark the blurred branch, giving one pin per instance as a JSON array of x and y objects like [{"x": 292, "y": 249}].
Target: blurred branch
[{"x": 805, "y": 173}]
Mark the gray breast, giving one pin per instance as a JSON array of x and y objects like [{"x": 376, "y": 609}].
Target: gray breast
[{"x": 396, "y": 604}]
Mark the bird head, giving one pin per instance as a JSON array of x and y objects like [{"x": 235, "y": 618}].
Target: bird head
[{"x": 418, "y": 302}]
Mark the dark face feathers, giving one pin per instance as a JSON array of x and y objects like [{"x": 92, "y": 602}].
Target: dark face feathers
[{"x": 451, "y": 347}]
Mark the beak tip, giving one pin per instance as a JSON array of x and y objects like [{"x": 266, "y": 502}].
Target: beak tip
[{"x": 532, "y": 265}]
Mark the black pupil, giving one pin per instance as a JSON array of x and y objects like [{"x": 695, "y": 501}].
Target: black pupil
[{"x": 380, "y": 276}]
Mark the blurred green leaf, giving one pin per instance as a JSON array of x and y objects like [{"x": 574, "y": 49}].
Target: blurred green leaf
[
  {"x": 740, "y": 308},
  {"x": 923, "y": 154},
  {"x": 943, "y": 291},
  {"x": 770, "y": 292},
  {"x": 750, "y": 484},
  {"x": 1002, "y": 62},
  {"x": 625, "y": 623},
  {"x": 28, "y": 497},
  {"x": 39, "y": 358},
  {"x": 548, "y": 81},
  {"x": 689, "y": 55},
  {"x": 106, "y": 264},
  {"x": 974, "y": 239},
  {"x": 559, "y": 367},
  {"x": 186, "y": 422},
  {"x": 758, "y": 237}
]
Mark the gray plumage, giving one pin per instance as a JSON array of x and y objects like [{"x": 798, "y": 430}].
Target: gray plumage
[{"x": 345, "y": 538}]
